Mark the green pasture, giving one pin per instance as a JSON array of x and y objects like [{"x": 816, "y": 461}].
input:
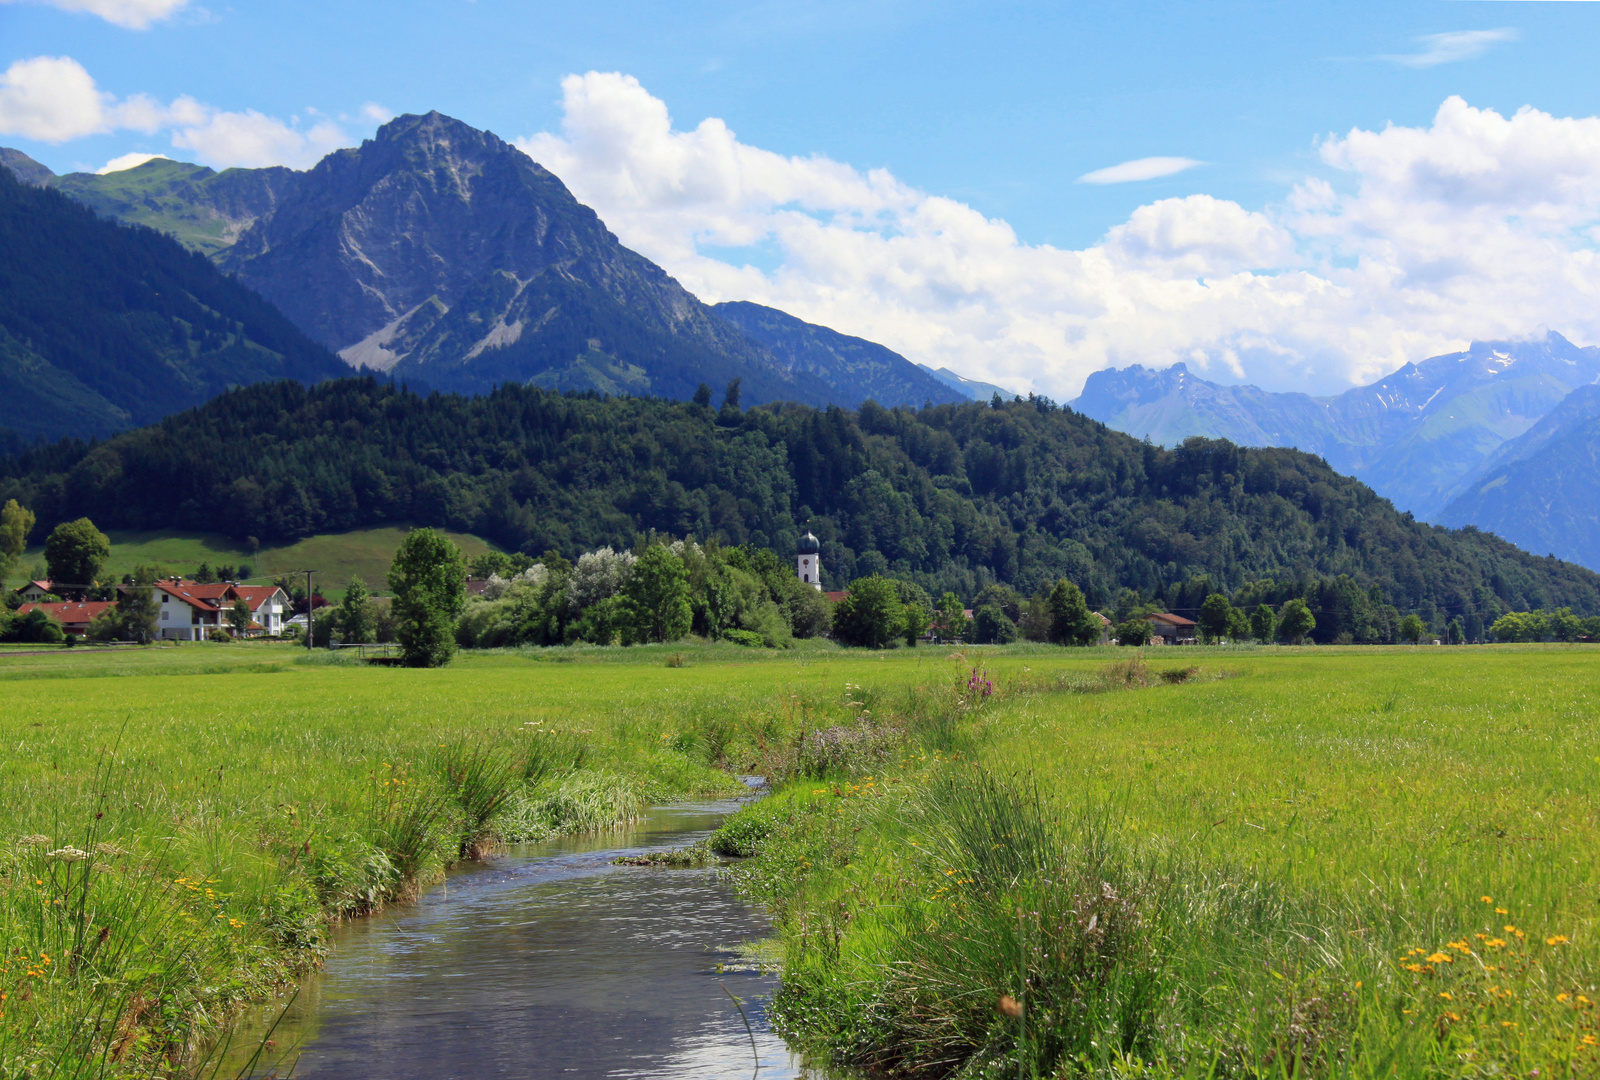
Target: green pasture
[
  {"x": 1352, "y": 862},
  {"x": 1351, "y": 805},
  {"x": 337, "y": 556}
]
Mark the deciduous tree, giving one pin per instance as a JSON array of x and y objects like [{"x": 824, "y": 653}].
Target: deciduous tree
[
  {"x": 1295, "y": 621},
  {"x": 240, "y": 616},
  {"x": 1071, "y": 621},
  {"x": 427, "y": 578},
  {"x": 655, "y": 599},
  {"x": 1214, "y": 614},
  {"x": 1412, "y": 629},
  {"x": 74, "y": 555},
  {"x": 1135, "y": 631},
  {"x": 871, "y": 615},
  {"x": 356, "y": 622},
  {"x": 1263, "y": 623},
  {"x": 16, "y": 522},
  {"x": 950, "y": 622}
]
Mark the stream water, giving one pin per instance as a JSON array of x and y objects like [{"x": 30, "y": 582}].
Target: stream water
[{"x": 546, "y": 962}]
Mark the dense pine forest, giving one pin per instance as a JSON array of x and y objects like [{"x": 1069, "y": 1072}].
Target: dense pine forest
[{"x": 950, "y": 496}]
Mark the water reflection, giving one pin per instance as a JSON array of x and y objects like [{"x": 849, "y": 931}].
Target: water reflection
[{"x": 548, "y": 962}]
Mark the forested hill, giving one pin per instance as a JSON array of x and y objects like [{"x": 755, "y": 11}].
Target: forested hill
[
  {"x": 952, "y": 496},
  {"x": 106, "y": 326}
]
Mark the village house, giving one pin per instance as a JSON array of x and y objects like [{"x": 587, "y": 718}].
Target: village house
[
  {"x": 1168, "y": 629},
  {"x": 73, "y": 616},
  {"x": 191, "y": 611},
  {"x": 35, "y": 591}
]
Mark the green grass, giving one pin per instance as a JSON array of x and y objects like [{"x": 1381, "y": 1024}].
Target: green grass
[
  {"x": 254, "y": 792},
  {"x": 1224, "y": 875},
  {"x": 1277, "y": 863},
  {"x": 338, "y": 556}
]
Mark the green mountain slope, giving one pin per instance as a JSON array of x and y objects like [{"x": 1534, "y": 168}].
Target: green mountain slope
[
  {"x": 201, "y": 209},
  {"x": 953, "y": 496},
  {"x": 103, "y": 326}
]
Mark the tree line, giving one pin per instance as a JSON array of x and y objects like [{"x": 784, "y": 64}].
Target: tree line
[{"x": 951, "y": 498}]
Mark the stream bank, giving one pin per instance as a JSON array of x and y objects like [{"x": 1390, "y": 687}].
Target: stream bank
[{"x": 547, "y": 961}]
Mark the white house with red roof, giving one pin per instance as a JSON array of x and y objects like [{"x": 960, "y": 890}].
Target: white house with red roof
[{"x": 191, "y": 611}]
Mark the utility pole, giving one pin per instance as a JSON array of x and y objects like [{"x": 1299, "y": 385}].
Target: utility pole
[{"x": 311, "y": 620}]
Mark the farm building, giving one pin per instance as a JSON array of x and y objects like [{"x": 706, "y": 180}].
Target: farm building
[{"x": 1168, "y": 629}]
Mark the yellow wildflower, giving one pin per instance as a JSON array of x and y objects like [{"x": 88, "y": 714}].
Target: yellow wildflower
[
  {"x": 1559, "y": 939},
  {"x": 1461, "y": 946},
  {"x": 1487, "y": 899},
  {"x": 1440, "y": 958}
]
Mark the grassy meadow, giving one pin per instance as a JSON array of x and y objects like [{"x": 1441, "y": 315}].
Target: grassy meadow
[
  {"x": 1357, "y": 862},
  {"x": 1269, "y": 862},
  {"x": 337, "y": 556}
]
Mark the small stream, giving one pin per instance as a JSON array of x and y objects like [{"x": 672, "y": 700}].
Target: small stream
[{"x": 546, "y": 962}]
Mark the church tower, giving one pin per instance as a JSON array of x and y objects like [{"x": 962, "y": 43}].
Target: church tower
[{"x": 809, "y": 561}]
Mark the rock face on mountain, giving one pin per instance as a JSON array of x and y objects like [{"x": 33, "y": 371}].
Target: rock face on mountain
[
  {"x": 104, "y": 327},
  {"x": 24, "y": 168},
  {"x": 1541, "y": 490},
  {"x": 854, "y": 368},
  {"x": 1414, "y": 435},
  {"x": 443, "y": 255}
]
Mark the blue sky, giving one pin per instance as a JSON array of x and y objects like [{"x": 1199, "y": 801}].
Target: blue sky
[{"x": 1000, "y": 108}]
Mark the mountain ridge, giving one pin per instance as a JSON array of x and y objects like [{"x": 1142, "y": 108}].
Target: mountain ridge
[{"x": 1414, "y": 434}]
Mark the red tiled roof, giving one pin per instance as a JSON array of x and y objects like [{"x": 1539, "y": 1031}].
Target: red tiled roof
[
  {"x": 1170, "y": 620},
  {"x": 26, "y": 585},
  {"x": 256, "y": 595},
  {"x": 191, "y": 594},
  {"x": 835, "y": 597},
  {"x": 71, "y": 613}
]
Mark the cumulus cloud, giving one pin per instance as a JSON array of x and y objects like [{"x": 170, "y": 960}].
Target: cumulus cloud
[
  {"x": 1457, "y": 45},
  {"x": 1417, "y": 240},
  {"x": 133, "y": 14},
  {"x": 1147, "y": 168},
  {"x": 53, "y": 99},
  {"x": 128, "y": 161}
]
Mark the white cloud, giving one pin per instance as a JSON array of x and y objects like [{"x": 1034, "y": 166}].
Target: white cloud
[
  {"x": 250, "y": 139},
  {"x": 128, "y": 161},
  {"x": 1456, "y": 45},
  {"x": 53, "y": 99},
  {"x": 1478, "y": 226},
  {"x": 133, "y": 14},
  {"x": 1148, "y": 168}
]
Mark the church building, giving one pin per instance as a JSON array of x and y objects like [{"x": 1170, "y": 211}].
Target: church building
[{"x": 808, "y": 561}]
